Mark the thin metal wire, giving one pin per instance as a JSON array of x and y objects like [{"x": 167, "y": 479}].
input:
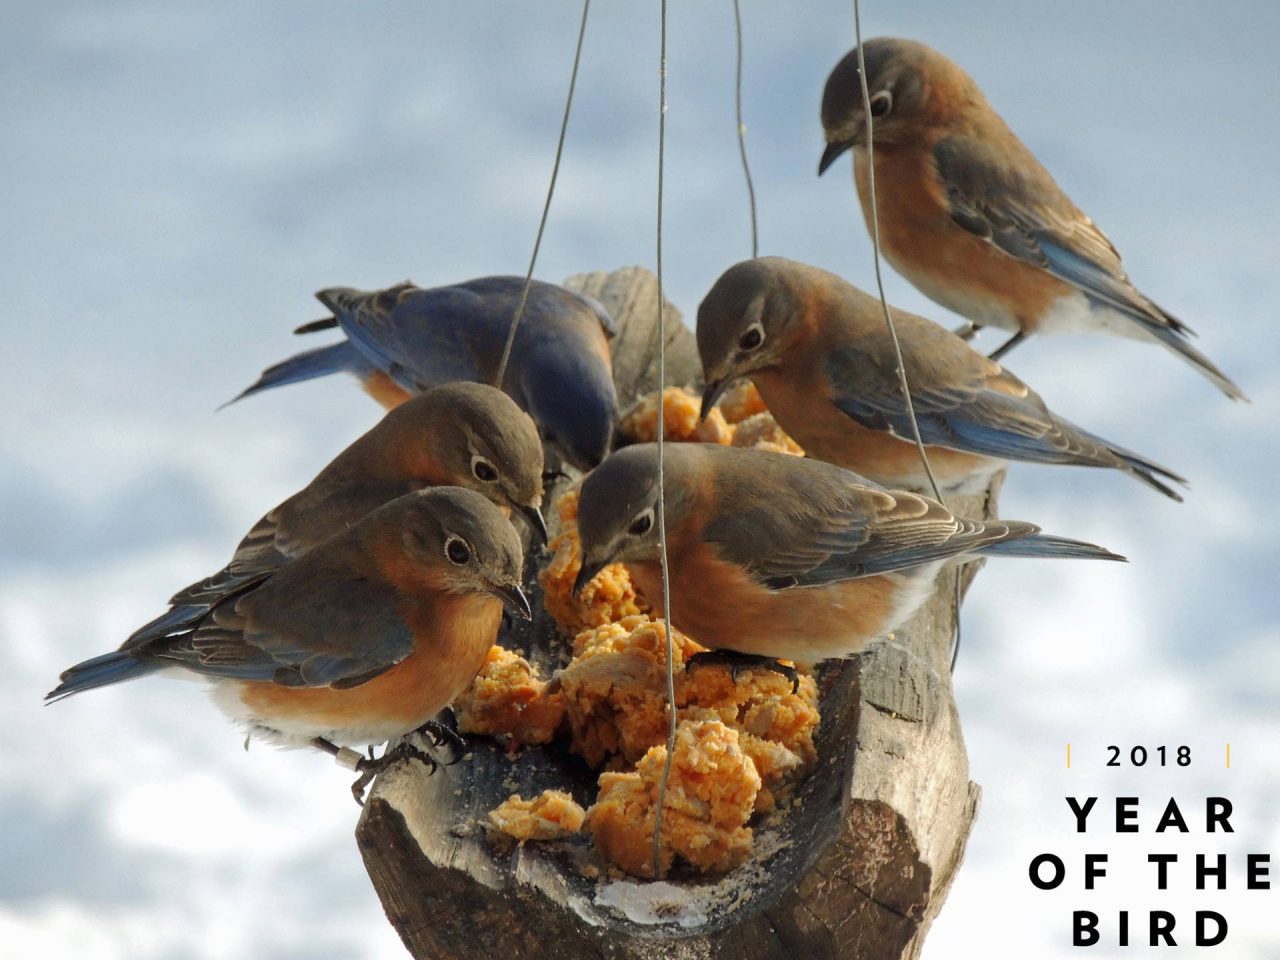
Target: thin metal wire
[
  {"x": 546, "y": 207},
  {"x": 884, "y": 303},
  {"x": 662, "y": 490},
  {"x": 742, "y": 130}
]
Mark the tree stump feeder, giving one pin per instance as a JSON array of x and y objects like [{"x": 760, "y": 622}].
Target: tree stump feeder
[{"x": 857, "y": 866}]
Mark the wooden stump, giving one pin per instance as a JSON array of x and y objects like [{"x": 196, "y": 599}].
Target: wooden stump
[{"x": 857, "y": 867}]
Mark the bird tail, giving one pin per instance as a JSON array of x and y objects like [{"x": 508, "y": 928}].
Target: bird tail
[
  {"x": 1148, "y": 471},
  {"x": 1036, "y": 544},
  {"x": 336, "y": 358},
  {"x": 114, "y": 667},
  {"x": 177, "y": 619},
  {"x": 1174, "y": 336}
]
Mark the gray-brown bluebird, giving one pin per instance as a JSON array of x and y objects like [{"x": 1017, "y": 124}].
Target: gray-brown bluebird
[
  {"x": 818, "y": 350},
  {"x": 779, "y": 556},
  {"x": 968, "y": 214}
]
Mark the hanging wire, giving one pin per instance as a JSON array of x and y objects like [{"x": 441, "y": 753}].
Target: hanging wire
[
  {"x": 546, "y": 207},
  {"x": 884, "y": 303},
  {"x": 662, "y": 490},
  {"x": 742, "y": 130}
]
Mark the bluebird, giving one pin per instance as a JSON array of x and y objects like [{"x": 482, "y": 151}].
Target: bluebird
[
  {"x": 403, "y": 340},
  {"x": 971, "y": 218},
  {"x": 818, "y": 350},
  {"x": 365, "y": 638},
  {"x": 460, "y": 434},
  {"x": 777, "y": 556}
]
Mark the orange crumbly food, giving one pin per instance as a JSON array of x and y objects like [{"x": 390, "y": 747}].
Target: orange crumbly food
[
  {"x": 505, "y": 698},
  {"x": 740, "y": 401},
  {"x": 710, "y": 797},
  {"x": 615, "y": 699},
  {"x": 551, "y": 815},
  {"x": 608, "y": 596},
  {"x": 680, "y": 408},
  {"x": 762, "y": 432}
]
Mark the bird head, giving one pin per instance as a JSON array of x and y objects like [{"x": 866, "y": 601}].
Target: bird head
[
  {"x": 473, "y": 435},
  {"x": 462, "y": 544},
  {"x": 898, "y": 74},
  {"x": 747, "y": 322},
  {"x": 618, "y": 506}
]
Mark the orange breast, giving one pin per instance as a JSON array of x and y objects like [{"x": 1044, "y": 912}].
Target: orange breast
[
  {"x": 718, "y": 605},
  {"x": 385, "y": 390},
  {"x": 947, "y": 263},
  {"x": 451, "y": 642},
  {"x": 827, "y": 434}
]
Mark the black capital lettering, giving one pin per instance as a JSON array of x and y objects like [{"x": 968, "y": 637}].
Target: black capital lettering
[
  {"x": 1084, "y": 930},
  {"x": 1082, "y": 813},
  {"x": 1058, "y": 871}
]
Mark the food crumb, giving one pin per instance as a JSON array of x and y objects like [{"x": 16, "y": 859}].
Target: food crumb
[
  {"x": 552, "y": 815},
  {"x": 710, "y": 797}
]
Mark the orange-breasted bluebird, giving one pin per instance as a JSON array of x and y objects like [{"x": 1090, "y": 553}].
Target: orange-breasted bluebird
[
  {"x": 403, "y": 340},
  {"x": 779, "y": 556},
  {"x": 819, "y": 351},
  {"x": 971, "y": 218},
  {"x": 365, "y": 638},
  {"x": 460, "y": 434}
]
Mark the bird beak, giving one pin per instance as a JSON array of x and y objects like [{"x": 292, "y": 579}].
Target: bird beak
[
  {"x": 830, "y": 154},
  {"x": 513, "y": 599},
  {"x": 715, "y": 389},
  {"x": 588, "y": 571},
  {"x": 533, "y": 516}
]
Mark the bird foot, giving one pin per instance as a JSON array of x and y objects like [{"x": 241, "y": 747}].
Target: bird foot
[
  {"x": 441, "y": 734},
  {"x": 402, "y": 752},
  {"x": 738, "y": 662},
  {"x": 967, "y": 332}
]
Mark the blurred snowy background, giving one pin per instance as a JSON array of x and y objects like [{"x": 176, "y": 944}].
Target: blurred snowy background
[{"x": 178, "y": 178}]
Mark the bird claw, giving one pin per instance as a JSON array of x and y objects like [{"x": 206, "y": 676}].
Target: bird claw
[
  {"x": 401, "y": 753},
  {"x": 738, "y": 662},
  {"x": 441, "y": 734}
]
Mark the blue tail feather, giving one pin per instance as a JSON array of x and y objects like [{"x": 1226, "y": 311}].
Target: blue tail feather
[
  {"x": 114, "y": 667},
  {"x": 339, "y": 357},
  {"x": 1047, "y": 545}
]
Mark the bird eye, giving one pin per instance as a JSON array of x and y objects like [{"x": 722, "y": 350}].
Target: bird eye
[
  {"x": 641, "y": 524},
  {"x": 483, "y": 469},
  {"x": 456, "y": 549},
  {"x": 881, "y": 103},
  {"x": 752, "y": 339}
]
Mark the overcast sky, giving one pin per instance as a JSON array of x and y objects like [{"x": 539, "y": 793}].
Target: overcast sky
[{"x": 177, "y": 178}]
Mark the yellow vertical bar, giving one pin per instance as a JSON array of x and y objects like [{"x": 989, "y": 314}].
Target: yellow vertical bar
[
  {"x": 1228, "y": 756},
  {"x": 1069, "y": 757}
]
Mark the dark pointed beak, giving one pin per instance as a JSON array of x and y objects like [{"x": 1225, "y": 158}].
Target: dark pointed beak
[
  {"x": 833, "y": 151},
  {"x": 533, "y": 516},
  {"x": 588, "y": 571},
  {"x": 715, "y": 389},
  {"x": 513, "y": 599}
]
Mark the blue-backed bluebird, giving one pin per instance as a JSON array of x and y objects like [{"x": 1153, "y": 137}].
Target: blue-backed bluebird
[
  {"x": 460, "y": 434},
  {"x": 819, "y": 352},
  {"x": 403, "y": 340},
  {"x": 968, "y": 214},
  {"x": 779, "y": 556},
  {"x": 365, "y": 638}
]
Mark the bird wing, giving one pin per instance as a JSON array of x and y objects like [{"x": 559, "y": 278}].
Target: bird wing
[
  {"x": 1006, "y": 197},
  {"x": 962, "y": 400},
  {"x": 420, "y": 338},
  {"x": 312, "y": 624},
  {"x": 827, "y": 532}
]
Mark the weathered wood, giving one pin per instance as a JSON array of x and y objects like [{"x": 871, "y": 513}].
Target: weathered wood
[{"x": 857, "y": 867}]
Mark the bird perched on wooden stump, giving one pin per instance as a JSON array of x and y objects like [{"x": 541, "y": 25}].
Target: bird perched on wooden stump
[
  {"x": 819, "y": 351},
  {"x": 776, "y": 556},
  {"x": 365, "y": 638},
  {"x": 406, "y": 339},
  {"x": 460, "y": 434}
]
